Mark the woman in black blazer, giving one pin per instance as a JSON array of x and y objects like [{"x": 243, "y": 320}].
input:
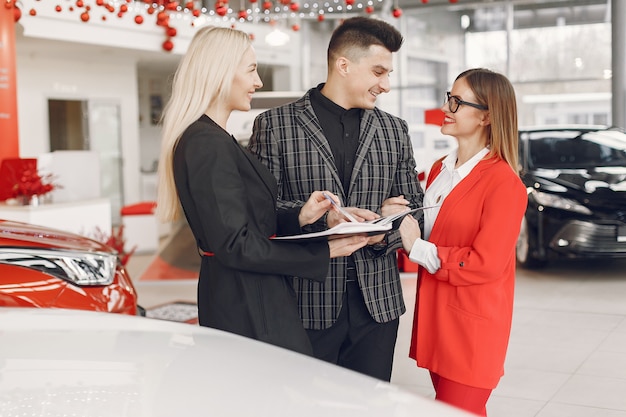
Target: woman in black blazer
[{"x": 229, "y": 199}]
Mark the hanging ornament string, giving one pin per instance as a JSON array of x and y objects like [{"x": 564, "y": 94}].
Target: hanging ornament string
[{"x": 160, "y": 12}]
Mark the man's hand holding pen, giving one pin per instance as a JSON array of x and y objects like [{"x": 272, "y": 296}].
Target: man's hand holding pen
[{"x": 395, "y": 205}]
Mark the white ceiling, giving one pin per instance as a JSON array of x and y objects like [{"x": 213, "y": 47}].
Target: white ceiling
[{"x": 527, "y": 13}]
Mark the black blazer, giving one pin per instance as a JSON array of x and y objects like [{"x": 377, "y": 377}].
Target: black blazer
[{"x": 229, "y": 200}]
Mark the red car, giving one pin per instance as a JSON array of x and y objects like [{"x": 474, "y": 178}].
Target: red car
[{"x": 42, "y": 267}]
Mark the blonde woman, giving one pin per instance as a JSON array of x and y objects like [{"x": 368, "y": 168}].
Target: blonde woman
[
  {"x": 229, "y": 199},
  {"x": 467, "y": 276}
]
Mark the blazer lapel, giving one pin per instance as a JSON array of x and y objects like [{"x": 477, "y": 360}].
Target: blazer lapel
[
  {"x": 264, "y": 174},
  {"x": 315, "y": 135},
  {"x": 455, "y": 198},
  {"x": 367, "y": 133}
]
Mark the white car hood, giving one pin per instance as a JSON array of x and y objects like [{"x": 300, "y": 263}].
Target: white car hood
[{"x": 69, "y": 362}]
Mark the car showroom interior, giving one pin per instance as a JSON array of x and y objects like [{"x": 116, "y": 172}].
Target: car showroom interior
[{"x": 99, "y": 294}]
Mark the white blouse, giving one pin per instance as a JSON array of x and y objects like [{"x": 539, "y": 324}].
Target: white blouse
[{"x": 424, "y": 252}]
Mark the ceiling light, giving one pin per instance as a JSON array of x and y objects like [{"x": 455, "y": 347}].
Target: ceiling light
[{"x": 276, "y": 38}]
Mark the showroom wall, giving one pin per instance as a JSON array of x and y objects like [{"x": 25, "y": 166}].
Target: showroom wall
[
  {"x": 49, "y": 68},
  {"x": 42, "y": 78}
]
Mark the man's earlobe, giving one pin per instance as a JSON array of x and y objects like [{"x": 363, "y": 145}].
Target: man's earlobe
[{"x": 343, "y": 65}]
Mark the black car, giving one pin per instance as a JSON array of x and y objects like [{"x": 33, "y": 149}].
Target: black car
[{"x": 576, "y": 181}]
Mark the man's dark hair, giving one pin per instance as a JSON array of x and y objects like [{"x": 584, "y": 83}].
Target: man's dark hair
[{"x": 359, "y": 33}]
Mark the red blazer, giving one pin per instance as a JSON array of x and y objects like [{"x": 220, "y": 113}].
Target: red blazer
[{"x": 463, "y": 312}]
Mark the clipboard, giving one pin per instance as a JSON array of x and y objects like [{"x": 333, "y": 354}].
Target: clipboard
[{"x": 370, "y": 227}]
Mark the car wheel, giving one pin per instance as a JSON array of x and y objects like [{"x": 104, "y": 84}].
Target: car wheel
[{"x": 525, "y": 249}]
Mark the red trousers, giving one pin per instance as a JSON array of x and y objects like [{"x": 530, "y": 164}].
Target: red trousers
[{"x": 468, "y": 398}]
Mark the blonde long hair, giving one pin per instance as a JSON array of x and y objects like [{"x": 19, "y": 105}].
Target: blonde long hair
[
  {"x": 204, "y": 76},
  {"x": 496, "y": 92}
]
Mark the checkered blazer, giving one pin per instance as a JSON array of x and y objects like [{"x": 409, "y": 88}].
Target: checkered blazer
[{"x": 290, "y": 142}]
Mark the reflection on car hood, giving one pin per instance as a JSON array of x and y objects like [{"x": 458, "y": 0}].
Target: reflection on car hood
[
  {"x": 24, "y": 234},
  {"x": 609, "y": 181},
  {"x": 62, "y": 362}
]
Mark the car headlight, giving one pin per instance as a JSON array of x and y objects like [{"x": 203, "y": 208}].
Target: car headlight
[
  {"x": 558, "y": 202},
  {"x": 80, "y": 268}
]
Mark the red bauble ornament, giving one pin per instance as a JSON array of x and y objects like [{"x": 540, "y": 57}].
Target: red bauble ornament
[
  {"x": 320, "y": 17},
  {"x": 163, "y": 19},
  {"x": 221, "y": 8},
  {"x": 295, "y": 28},
  {"x": 58, "y": 8},
  {"x": 243, "y": 14},
  {"x": 253, "y": 1},
  {"x": 369, "y": 10},
  {"x": 32, "y": 12},
  {"x": 397, "y": 12},
  {"x": 168, "y": 45},
  {"x": 196, "y": 12},
  {"x": 453, "y": 1},
  {"x": 139, "y": 19},
  {"x": 17, "y": 14},
  {"x": 151, "y": 10},
  {"x": 79, "y": 3},
  {"x": 424, "y": 1},
  {"x": 294, "y": 7},
  {"x": 99, "y": 2},
  {"x": 123, "y": 8},
  {"x": 349, "y": 2},
  {"x": 171, "y": 32},
  {"x": 84, "y": 17},
  {"x": 172, "y": 5},
  {"x": 267, "y": 5},
  {"x": 189, "y": 5}
]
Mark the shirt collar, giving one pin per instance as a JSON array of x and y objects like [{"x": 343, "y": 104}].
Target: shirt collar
[
  {"x": 450, "y": 160},
  {"x": 327, "y": 103},
  {"x": 331, "y": 106}
]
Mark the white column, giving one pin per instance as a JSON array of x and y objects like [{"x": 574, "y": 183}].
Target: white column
[{"x": 618, "y": 47}]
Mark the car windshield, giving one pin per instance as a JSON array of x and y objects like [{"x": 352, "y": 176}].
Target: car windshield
[{"x": 574, "y": 150}]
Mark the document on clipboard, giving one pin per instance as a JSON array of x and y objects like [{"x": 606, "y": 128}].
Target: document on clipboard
[{"x": 370, "y": 227}]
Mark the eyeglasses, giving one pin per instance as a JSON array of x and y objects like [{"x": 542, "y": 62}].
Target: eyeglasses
[{"x": 455, "y": 102}]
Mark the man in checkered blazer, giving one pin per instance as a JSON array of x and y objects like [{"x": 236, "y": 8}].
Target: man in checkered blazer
[{"x": 334, "y": 138}]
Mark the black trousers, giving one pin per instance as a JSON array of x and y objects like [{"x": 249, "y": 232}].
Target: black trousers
[{"x": 356, "y": 341}]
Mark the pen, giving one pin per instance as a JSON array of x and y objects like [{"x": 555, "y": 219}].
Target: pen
[{"x": 341, "y": 210}]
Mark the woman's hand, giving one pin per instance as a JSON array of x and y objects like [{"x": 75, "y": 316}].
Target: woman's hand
[
  {"x": 410, "y": 232},
  {"x": 345, "y": 246},
  {"x": 315, "y": 207},
  {"x": 335, "y": 216}
]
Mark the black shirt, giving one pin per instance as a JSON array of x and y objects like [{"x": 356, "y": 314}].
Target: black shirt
[{"x": 341, "y": 128}]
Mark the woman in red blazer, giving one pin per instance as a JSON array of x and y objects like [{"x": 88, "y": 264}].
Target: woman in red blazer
[{"x": 467, "y": 257}]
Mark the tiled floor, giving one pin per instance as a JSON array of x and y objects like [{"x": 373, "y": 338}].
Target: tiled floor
[{"x": 567, "y": 356}]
